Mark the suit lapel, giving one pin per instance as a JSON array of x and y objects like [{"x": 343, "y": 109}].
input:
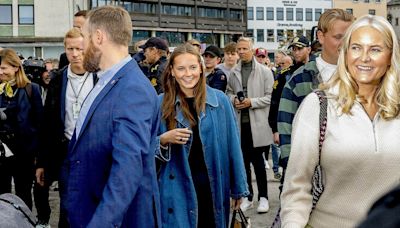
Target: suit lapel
[{"x": 64, "y": 81}]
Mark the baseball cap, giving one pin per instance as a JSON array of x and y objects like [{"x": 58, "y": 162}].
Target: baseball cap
[
  {"x": 194, "y": 42},
  {"x": 300, "y": 41},
  {"x": 213, "y": 50},
  {"x": 261, "y": 52},
  {"x": 156, "y": 42}
]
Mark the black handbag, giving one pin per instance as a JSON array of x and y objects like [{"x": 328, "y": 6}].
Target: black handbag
[
  {"x": 317, "y": 178},
  {"x": 241, "y": 222}
]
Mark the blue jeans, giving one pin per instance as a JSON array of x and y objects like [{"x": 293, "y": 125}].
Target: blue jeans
[{"x": 276, "y": 152}]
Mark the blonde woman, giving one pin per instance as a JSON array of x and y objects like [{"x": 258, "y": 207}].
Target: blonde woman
[
  {"x": 360, "y": 156},
  {"x": 20, "y": 118}
]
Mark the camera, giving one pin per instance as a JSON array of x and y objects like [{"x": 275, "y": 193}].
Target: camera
[
  {"x": 34, "y": 68},
  {"x": 240, "y": 96}
]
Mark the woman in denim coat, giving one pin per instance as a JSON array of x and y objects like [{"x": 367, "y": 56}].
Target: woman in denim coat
[{"x": 201, "y": 160}]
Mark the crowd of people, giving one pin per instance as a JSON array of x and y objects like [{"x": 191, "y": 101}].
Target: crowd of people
[{"x": 169, "y": 139}]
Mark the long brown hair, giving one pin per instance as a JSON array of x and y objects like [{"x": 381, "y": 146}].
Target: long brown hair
[
  {"x": 172, "y": 90},
  {"x": 10, "y": 57}
]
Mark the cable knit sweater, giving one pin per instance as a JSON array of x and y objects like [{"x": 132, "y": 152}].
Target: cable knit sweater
[{"x": 360, "y": 160}]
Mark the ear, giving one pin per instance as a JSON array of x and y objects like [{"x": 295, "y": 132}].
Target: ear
[
  {"x": 99, "y": 36},
  {"x": 320, "y": 36},
  {"x": 16, "y": 69}
]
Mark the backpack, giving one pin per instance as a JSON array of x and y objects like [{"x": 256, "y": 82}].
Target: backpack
[
  {"x": 385, "y": 211},
  {"x": 14, "y": 213}
]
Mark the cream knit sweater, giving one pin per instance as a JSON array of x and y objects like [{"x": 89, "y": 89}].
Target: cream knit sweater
[{"x": 360, "y": 160}]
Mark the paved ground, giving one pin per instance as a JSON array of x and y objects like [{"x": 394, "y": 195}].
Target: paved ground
[{"x": 257, "y": 220}]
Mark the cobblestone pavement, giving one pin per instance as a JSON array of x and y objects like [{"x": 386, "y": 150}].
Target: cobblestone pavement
[{"x": 257, "y": 220}]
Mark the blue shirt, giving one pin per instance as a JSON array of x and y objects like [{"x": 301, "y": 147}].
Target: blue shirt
[{"x": 104, "y": 78}]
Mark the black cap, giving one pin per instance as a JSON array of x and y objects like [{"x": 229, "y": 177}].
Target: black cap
[
  {"x": 156, "y": 42},
  {"x": 213, "y": 50},
  {"x": 300, "y": 41}
]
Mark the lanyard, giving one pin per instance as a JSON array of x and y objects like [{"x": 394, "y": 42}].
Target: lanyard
[{"x": 80, "y": 89}]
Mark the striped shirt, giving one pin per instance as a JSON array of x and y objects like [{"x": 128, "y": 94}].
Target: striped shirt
[{"x": 296, "y": 89}]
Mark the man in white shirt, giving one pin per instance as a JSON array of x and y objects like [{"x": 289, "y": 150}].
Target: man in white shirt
[{"x": 66, "y": 93}]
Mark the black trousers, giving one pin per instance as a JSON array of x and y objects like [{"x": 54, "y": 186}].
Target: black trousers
[
  {"x": 41, "y": 193},
  {"x": 254, "y": 155},
  {"x": 21, "y": 168}
]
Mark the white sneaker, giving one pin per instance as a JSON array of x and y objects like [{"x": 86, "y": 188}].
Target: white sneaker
[
  {"x": 246, "y": 204},
  {"x": 263, "y": 205},
  {"x": 43, "y": 225}
]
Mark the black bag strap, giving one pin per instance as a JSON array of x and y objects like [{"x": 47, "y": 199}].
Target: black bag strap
[
  {"x": 18, "y": 207},
  {"x": 323, "y": 103},
  {"x": 242, "y": 217}
]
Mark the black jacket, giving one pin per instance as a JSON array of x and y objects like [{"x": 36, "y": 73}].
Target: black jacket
[{"x": 217, "y": 80}]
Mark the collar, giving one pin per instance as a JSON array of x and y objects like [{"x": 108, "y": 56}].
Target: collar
[{"x": 211, "y": 98}]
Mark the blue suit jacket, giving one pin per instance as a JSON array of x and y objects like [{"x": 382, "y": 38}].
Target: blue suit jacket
[{"x": 110, "y": 168}]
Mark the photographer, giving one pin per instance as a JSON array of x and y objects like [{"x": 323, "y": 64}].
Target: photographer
[{"x": 20, "y": 118}]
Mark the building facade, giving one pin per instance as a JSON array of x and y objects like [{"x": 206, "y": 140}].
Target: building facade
[
  {"x": 274, "y": 23},
  {"x": 37, "y": 27},
  {"x": 362, "y": 7},
  {"x": 393, "y": 10},
  {"x": 209, "y": 21}
]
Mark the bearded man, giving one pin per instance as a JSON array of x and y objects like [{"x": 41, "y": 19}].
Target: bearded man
[{"x": 110, "y": 165}]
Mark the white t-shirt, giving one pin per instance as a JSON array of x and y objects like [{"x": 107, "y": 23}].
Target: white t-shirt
[
  {"x": 325, "y": 69},
  {"x": 78, "y": 87}
]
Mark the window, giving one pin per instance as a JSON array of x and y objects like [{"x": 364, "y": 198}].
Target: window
[
  {"x": 144, "y": 8},
  {"x": 140, "y": 35},
  {"x": 290, "y": 34},
  {"x": 318, "y": 13},
  {"x": 236, "y": 15},
  {"x": 176, "y": 10},
  {"x": 250, "y": 33},
  {"x": 308, "y": 34},
  {"x": 378, "y": 1},
  {"x": 371, "y": 12},
  {"x": 5, "y": 14},
  {"x": 397, "y": 21},
  {"x": 366, "y": 1},
  {"x": 250, "y": 13},
  {"x": 260, "y": 35},
  {"x": 279, "y": 14},
  {"x": 270, "y": 13},
  {"x": 299, "y": 14},
  {"x": 280, "y": 35},
  {"x": 355, "y": 0},
  {"x": 25, "y": 14},
  {"x": 260, "y": 13},
  {"x": 173, "y": 38},
  {"x": 270, "y": 35},
  {"x": 289, "y": 14},
  {"x": 349, "y": 10},
  {"x": 308, "y": 14},
  {"x": 299, "y": 32},
  {"x": 211, "y": 12}
]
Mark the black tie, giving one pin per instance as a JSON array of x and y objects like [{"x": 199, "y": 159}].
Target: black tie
[{"x": 95, "y": 78}]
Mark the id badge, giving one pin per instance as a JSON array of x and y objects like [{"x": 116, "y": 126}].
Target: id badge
[{"x": 76, "y": 108}]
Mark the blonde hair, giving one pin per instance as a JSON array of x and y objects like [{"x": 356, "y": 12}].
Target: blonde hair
[
  {"x": 248, "y": 40},
  {"x": 114, "y": 20},
  {"x": 388, "y": 94},
  {"x": 10, "y": 57},
  {"x": 71, "y": 34},
  {"x": 325, "y": 22}
]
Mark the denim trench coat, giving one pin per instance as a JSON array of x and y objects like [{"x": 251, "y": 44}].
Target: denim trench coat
[{"x": 223, "y": 158}]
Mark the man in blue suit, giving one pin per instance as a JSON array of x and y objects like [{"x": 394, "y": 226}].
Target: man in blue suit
[{"x": 110, "y": 166}]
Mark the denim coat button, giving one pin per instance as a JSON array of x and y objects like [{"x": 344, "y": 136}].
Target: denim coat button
[
  {"x": 170, "y": 210},
  {"x": 171, "y": 177}
]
